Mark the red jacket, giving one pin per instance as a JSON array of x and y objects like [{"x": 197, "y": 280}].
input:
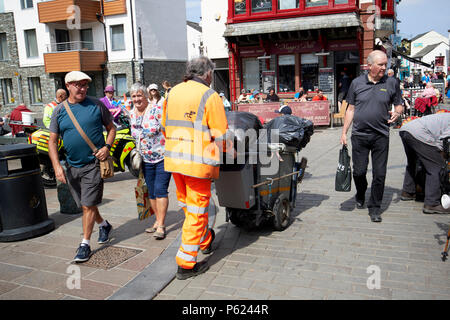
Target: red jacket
[{"x": 16, "y": 115}]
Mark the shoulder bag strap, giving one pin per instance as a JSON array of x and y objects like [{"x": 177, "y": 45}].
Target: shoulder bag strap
[{"x": 77, "y": 126}]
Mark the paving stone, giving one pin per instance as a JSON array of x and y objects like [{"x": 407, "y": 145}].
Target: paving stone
[
  {"x": 307, "y": 293},
  {"x": 6, "y": 287},
  {"x": 232, "y": 282},
  {"x": 28, "y": 293},
  {"x": 221, "y": 290},
  {"x": 11, "y": 272}
]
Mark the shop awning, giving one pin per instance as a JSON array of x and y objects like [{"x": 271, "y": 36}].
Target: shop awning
[
  {"x": 411, "y": 59},
  {"x": 341, "y": 20}
]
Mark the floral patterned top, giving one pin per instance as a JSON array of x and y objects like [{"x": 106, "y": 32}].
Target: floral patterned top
[{"x": 148, "y": 129}]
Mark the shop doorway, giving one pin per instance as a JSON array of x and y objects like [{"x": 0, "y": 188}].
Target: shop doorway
[
  {"x": 351, "y": 70},
  {"x": 222, "y": 82}
]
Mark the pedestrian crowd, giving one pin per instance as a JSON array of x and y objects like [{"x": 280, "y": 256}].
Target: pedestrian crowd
[{"x": 182, "y": 134}]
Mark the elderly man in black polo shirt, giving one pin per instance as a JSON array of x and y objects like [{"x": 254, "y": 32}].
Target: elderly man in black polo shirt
[{"x": 370, "y": 98}]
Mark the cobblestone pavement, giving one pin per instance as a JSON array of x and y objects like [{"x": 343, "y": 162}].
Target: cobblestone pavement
[
  {"x": 331, "y": 250},
  {"x": 325, "y": 253}
]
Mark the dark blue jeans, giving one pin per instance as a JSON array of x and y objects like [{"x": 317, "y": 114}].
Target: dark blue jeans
[{"x": 157, "y": 179}]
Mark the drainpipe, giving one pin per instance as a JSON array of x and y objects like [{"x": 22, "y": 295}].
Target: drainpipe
[
  {"x": 100, "y": 17},
  {"x": 141, "y": 56},
  {"x": 134, "y": 43}
]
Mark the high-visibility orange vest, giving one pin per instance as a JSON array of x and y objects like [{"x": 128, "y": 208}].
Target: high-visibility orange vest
[{"x": 193, "y": 118}]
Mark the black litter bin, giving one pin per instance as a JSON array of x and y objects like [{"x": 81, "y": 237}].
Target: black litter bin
[{"x": 23, "y": 208}]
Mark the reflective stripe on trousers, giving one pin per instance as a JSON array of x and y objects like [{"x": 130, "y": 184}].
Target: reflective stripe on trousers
[{"x": 195, "y": 193}]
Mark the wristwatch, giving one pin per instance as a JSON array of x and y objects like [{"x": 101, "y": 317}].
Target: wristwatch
[{"x": 108, "y": 146}]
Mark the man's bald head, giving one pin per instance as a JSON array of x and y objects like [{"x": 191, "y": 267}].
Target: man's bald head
[
  {"x": 61, "y": 95},
  {"x": 377, "y": 61},
  {"x": 376, "y": 54}
]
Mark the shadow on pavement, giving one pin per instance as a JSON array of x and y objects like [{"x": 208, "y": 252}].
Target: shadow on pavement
[{"x": 388, "y": 198}]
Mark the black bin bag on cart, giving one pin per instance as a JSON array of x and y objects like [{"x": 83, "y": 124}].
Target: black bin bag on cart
[{"x": 292, "y": 131}]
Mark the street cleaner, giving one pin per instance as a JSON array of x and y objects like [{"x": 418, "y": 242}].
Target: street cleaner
[{"x": 194, "y": 124}]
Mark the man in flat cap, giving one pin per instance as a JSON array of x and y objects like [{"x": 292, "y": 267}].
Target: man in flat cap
[{"x": 83, "y": 167}]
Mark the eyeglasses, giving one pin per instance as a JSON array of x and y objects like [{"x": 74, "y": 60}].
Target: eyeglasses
[{"x": 80, "y": 85}]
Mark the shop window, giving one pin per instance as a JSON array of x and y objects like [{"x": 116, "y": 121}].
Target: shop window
[
  {"x": 261, "y": 6},
  {"x": 35, "y": 90},
  {"x": 251, "y": 73},
  {"x": 7, "y": 91},
  {"x": 239, "y": 6},
  {"x": 316, "y": 3},
  {"x": 120, "y": 84},
  {"x": 288, "y": 4},
  {"x": 310, "y": 71},
  {"x": 384, "y": 5},
  {"x": 286, "y": 73},
  {"x": 340, "y": 1}
]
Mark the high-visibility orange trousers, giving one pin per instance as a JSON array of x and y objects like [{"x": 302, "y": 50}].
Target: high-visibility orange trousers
[{"x": 193, "y": 196}]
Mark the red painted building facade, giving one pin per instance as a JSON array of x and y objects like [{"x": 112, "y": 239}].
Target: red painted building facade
[{"x": 288, "y": 44}]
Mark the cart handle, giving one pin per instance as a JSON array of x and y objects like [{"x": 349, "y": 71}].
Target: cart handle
[{"x": 272, "y": 180}]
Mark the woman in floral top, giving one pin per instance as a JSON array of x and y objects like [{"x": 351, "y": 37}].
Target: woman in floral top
[{"x": 145, "y": 120}]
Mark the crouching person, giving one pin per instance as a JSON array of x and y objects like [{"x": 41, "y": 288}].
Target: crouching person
[{"x": 422, "y": 141}]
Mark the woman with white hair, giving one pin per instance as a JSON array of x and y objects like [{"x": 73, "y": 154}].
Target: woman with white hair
[{"x": 145, "y": 121}]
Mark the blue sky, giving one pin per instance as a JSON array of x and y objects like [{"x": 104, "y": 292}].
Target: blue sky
[
  {"x": 419, "y": 16},
  {"x": 193, "y": 10},
  {"x": 416, "y": 16}
]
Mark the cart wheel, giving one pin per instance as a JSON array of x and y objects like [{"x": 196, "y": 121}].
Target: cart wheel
[{"x": 282, "y": 213}]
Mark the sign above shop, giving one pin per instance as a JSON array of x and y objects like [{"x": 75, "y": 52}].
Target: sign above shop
[
  {"x": 295, "y": 47},
  {"x": 342, "y": 45}
]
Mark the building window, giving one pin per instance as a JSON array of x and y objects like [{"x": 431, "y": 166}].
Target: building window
[
  {"x": 117, "y": 37},
  {"x": 7, "y": 91},
  {"x": 87, "y": 39},
  {"x": 340, "y": 1},
  {"x": 261, "y": 5},
  {"x": 384, "y": 5},
  {"x": 251, "y": 73},
  {"x": 26, "y": 4},
  {"x": 120, "y": 84},
  {"x": 4, "y": 52},
  {"x": 286, "y": 73},
  {"x": 239, "y": 6},
  {"x": 31, "y": 43},
  {"x": 316, "y": 3},
  {"x": 35, "y": 90},
  {"x": 288, "y": 4}
]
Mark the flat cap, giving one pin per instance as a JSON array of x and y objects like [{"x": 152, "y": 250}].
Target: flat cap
[{"x": 74, "y": 76}]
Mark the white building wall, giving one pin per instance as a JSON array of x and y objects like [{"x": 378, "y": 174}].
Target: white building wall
[
  {"x": 430, "y": 38},
  {"x": 164, "y": 32},
  {"x": 125, "y": 20},
  {"x": 214, "y": 17},
  {"x": 194, "y": 39},
  {"x": 25, "y": 19}
]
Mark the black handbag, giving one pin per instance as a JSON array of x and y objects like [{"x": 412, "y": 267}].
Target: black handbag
[{"x": 343, "y": 181}]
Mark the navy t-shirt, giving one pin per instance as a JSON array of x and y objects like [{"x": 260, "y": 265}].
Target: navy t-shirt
[
  {"x": 372, "y": 102},
  {"x": 92, "y": 115}
]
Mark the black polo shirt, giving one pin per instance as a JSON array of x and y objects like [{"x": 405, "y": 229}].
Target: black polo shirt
[{"x": 372, "y": 102}]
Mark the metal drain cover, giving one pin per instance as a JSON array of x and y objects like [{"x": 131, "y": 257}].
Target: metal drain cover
[{"x": 108, "y": 257}]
